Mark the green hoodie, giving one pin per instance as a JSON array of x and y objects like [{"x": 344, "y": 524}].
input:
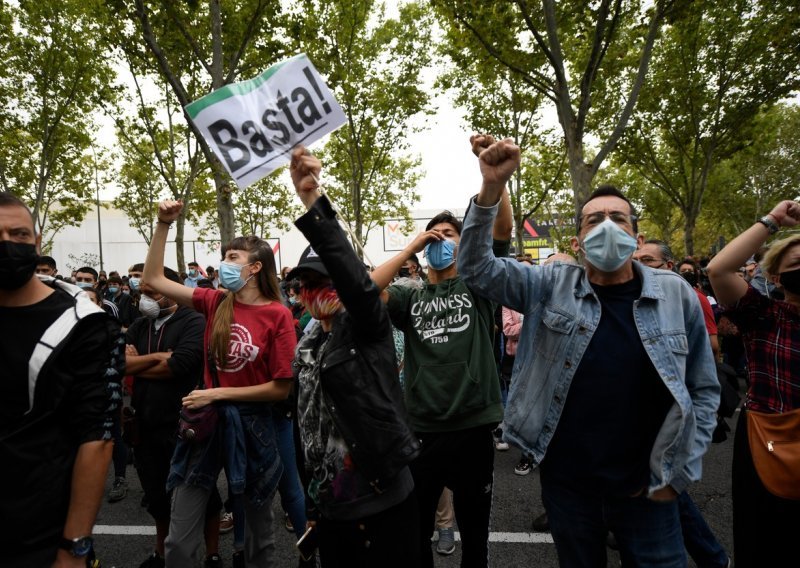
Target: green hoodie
[{"x": 450, "y": 370}]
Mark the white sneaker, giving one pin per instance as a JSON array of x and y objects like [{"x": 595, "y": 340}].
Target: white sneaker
[{"x": 501, "y": 446}]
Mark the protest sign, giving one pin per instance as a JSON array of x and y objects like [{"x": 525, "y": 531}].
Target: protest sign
[{"x": 253, "y": 125}]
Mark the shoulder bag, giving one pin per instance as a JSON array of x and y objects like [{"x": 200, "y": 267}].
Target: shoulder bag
[{"x": 775, "y": 446}]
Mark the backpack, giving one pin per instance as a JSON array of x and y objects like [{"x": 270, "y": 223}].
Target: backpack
[{"x": 55, "y": 335}]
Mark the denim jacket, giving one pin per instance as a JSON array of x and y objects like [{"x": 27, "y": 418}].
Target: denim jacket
[
  {"x": 561, "y": 314},
  {"x": 244, "y": 444}
]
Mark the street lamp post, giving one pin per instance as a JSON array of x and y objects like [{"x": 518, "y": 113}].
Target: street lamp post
[{"x": 97, "y": 202}]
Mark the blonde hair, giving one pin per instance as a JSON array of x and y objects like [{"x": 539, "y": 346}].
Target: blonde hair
[
  {"x": 771, "y": 262},
  {"x": 259, "y": 251}
]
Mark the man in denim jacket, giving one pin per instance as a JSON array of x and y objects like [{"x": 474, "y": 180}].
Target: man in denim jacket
[{"x": 614, "y": 391}]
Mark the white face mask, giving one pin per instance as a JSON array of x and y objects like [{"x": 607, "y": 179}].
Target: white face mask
[
  {"x": 150, "y": 308},
  {"x": 607, "y": 246}
]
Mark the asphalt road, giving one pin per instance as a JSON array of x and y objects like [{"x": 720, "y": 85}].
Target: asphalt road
[{"x": 513, "y": 544}]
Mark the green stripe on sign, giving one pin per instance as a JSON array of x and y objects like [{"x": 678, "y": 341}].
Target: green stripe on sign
[{"x": 236, "y": 89}]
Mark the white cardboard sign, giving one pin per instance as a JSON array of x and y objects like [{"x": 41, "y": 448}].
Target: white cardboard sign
[{"x": 253, "y": 125}]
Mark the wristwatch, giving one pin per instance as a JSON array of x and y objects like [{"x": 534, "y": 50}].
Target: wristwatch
[
  {"x": 769, "y": 224},
  {"x": 77, "y": 547}
]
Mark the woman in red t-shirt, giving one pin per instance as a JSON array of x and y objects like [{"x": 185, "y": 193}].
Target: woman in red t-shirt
[{"x": 250, "y": 339}]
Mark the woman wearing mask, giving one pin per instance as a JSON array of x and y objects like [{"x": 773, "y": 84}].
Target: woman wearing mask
[
  {"x": 299, "y": 312},
  {"x": 356, "y": 442},
  {"x": 248, "y": 345},
  {"x": 764, "y": 524}
]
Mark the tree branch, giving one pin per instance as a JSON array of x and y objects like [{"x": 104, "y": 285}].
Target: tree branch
[
  {"x": 248, "y": 35},
  {"x": 537, "y": 80},
  {"x": 644, "y": 61},
  {"x": 170, "y": 9},
  {"x": 602, "y": 40}
]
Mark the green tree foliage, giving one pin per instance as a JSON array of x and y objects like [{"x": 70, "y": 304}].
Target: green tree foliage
[
  {"x": 198, "y": 47},
  {"x": 498, "y": 102},
  {"x": 747, "y": 185},
  {"x": 570, "y": 53},
  {"x": 717, "y": 65},
  {"x": 51, "y": 85},
  {"x": 373, "y": 64},
  {"x": 265, "y": 206},
  {"x": 160, "y": 158}
]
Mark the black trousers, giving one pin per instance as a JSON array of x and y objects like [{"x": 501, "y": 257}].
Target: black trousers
[
  {"x": 385, "y": 540},
  {"x": 765, "y": 527},
  {"x": 464, "y": 462}
]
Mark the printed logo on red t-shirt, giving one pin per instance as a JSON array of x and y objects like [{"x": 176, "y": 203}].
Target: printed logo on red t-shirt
[{"x": 241, "y": 349}]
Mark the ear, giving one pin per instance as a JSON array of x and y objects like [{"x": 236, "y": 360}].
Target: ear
[
  {"x": 256, "y": 267},
  {"x": 39, "y": 244},
  {"x": 575, "y": 244},
  {"x": 670, "y": 265},
  {"x": 776, "y": 279},
  {"x": 639, "y": 240}
]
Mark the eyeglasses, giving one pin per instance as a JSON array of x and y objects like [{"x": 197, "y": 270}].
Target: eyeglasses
[
  {"x": 618, "y": 217},
  {"x": 651, "y": 262}
]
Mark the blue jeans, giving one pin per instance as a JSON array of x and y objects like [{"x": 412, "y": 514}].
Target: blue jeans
[
  {"x": 701, "y": 544},
  {"x": 293, "y": 499},
  {"x": 648, "y": 532}
]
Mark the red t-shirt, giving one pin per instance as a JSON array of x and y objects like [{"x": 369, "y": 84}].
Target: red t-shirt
[
  {"x": 262, "y": 341},
  {"x": 708, "y": 313}
]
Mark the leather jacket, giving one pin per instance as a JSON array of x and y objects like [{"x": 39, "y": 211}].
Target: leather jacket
[{"x": 358, "y": 370}]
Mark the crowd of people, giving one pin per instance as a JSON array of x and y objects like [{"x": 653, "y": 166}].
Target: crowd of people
[{"x": 373, "y": 400}]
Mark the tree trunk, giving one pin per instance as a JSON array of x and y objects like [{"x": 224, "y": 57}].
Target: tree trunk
[
  {"x": 180, "y": 226},
  {"x": 581, "y": 175},
  {"x": 519, "y": 232},
  {"x": 688, "y": 232},
  {"x": 227, "y": 225},
  {"x": 357, "y": 216},
  {"x": 516, "y": 208}
]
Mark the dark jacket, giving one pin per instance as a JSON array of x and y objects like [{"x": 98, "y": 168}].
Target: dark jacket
[
  {"x": 158, "y": 401},
  {"x": 358, "y": 368},
  {"x": 76, "y": 400}
]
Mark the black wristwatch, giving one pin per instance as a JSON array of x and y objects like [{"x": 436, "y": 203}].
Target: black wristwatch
[{"x": 77, "y": 547}]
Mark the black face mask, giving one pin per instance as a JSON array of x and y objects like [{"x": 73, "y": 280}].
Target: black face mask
[
  {"x": 404, "y": 273},
  {"x": 690, "y": 277},
  {"x": 790, "y": 281},
  {"x": 17, "y": 264}
]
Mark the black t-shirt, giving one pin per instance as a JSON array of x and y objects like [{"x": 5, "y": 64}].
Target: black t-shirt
[
  {"x": 76, "y": 393},
  {"x": 615, "y": 406},
  {"x": 24, "y": 326}
]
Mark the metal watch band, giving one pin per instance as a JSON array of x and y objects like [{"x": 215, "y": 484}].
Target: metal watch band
[{"x": 769, "y": 224}]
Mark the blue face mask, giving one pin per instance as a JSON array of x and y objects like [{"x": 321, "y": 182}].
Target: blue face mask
[
  {"x": 134, "y": 283},
  {"x": 440, "y": 254},
  {"x": 113, "y": 289},
  {"x": 607, "y": 246},
  {"x": 85, "y": 285},
  {"x": 292, "y": 300},
  {"x": 230, "y": 276}
]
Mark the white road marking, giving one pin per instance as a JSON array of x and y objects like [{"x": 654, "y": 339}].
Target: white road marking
[
  {"x": 509, "y": 537},
  {"x": 128, "y": 530}
]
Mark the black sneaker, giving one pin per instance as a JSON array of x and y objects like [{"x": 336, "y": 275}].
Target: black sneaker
[
  {"x": 119, "y": 489},
  {"x": 153, "y": 561},
  {"x": 213, "y": 561},
  {"x": 238, "y": 559},
  {"x": 524, "y": 467},
  {"x": 541, "y": 523}
]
